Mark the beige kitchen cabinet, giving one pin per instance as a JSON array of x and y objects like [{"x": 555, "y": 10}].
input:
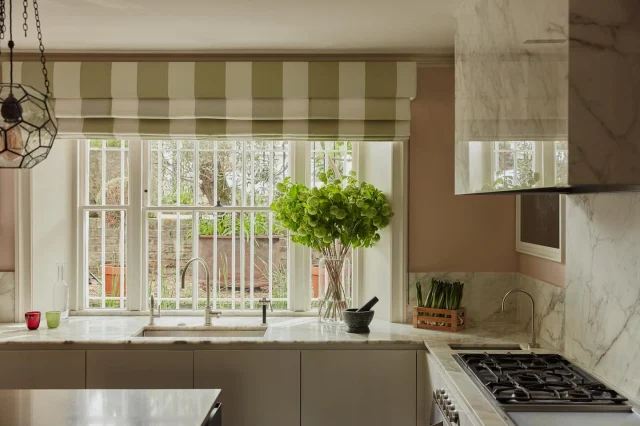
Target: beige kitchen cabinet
[
  {"x": 139, "y": 369},
  {"x": 259, "y": 387},
  {"x": 42, "y": 369},
  {"x": 358, "y": 387}
]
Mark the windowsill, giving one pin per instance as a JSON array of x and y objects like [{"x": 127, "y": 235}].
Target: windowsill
[{"x": 174, "y": 313}]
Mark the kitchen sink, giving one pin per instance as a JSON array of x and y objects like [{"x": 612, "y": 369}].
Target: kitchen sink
[
  {"x": 202, "y": 331},
  {"x": 485, "y": 347}
]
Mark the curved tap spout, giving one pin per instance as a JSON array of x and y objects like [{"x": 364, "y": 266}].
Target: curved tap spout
[
  {"x": 207, "y": 309},
  {"x": 534, "y": 343}
]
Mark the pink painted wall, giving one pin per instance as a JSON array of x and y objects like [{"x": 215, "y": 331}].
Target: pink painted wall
[
  {"x": 542, "y": 269},
  {"x": 449, "y": 233},
  {"x": 7, "y": 227}
]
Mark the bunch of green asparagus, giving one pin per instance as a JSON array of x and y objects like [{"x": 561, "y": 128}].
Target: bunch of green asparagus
[{"x": 442, "y": 295}]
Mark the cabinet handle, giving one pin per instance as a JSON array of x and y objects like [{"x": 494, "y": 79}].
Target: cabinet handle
[{"x": 215, "y": 416}]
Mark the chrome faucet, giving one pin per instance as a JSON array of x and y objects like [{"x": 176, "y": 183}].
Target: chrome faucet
[
  {"x": 207, "y": 308},
  {"x": 152, "y": 305},
  {"x": 533, "y": 343}
]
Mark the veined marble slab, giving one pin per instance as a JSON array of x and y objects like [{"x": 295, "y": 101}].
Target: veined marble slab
[
  {"x": 280, "y": 330},
  {"x": 549, "y": 309},
  {"x": 602, "y": 324},
  {"x": 7, "y": 296},
  {"x": 604, "y": 113}
]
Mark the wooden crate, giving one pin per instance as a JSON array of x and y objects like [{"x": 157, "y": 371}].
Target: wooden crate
[{"x": 449, "y": 320}]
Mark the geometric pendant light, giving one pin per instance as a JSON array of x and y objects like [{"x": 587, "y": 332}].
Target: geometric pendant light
[{"x": 28, "y": 125}]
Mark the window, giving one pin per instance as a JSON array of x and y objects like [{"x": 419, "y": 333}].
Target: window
[
  {"x": 105, "y": 201},
  {"x": 514, "y": 163},
  {"x": 208, "y": 199},
  {"x": 527, "y": 164},
  {"x": 211, "y": 199}
]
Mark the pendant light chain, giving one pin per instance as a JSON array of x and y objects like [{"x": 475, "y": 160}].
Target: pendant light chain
[
  {"x": 43, "y": 60},
  {"x": 11, "y": 46},
  {"x": 3, "y": 27},
  {"x": 25, "y": 15}
]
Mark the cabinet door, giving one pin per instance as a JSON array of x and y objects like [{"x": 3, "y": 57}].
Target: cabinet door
[
  {"x": 139, "y": 369},
  {"x": 358, "y": 387},
  {"x": 259, "y": 387},
  {"x": 42, "y": 369},
  {"x": 424, "y": 389}
]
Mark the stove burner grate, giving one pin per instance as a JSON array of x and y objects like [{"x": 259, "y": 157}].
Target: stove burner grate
[{"x": 537, "y": 378}]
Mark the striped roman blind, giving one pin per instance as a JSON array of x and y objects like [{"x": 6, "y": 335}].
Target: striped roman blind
[{"x": 229, "y": 100}]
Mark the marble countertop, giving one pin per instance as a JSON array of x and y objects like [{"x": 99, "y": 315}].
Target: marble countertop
[
  {"x": 124, "y": 407},
  {"x": 84, "y": 332}
]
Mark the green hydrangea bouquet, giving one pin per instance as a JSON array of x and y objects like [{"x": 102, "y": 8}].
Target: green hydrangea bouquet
[{"x": 339, "y": 215}]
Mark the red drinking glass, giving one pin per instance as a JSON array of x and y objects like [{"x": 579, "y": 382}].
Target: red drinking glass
[{"x": 33, "y": 320}]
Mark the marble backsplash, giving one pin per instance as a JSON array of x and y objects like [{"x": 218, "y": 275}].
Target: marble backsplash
[
  {"x": 7, "y": 296},
  {"x": 602, "y": 322},
  {"x": 549, "y": 309},
  {"x": 483, "y": 293},
  {"x": 482, "y": 296}
]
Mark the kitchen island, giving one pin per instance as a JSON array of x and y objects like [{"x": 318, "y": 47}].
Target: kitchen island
[{"x": 122, "y": 407}]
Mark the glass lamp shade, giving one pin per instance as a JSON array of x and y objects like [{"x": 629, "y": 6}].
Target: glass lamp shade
[{"x": 28, "y": 126}]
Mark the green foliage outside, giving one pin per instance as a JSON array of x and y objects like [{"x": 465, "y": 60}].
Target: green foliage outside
[
  {"x": 225, "y": 226},
  {"x": 525, "y": 177}
]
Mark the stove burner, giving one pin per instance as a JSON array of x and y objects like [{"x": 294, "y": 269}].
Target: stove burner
[{"x": 537, "y": 379}]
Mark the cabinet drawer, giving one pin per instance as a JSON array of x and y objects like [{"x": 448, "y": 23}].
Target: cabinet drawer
[
  {"x": 259, "y": 387},
  {"x": 139, "y": 369},
  {"x": 358, "y": 387},
  {"x": 42, "y": 369}
]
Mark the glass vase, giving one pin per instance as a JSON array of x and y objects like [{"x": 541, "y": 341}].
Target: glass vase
[
  {"x": 61, "y": 294},
  {"x": 333, "y": 297}
]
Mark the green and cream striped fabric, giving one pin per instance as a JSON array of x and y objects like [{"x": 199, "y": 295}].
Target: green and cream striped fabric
[{"x": 229, "y": 100}]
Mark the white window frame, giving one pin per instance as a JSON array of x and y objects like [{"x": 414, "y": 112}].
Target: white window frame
[
  {"x": 544, "y": 160},
  {"x": 299, "y": 297},
  {"x": 132, "y": 227},
  {"x": 538, "y": 157},
  {"x": 555, "y": 163}
]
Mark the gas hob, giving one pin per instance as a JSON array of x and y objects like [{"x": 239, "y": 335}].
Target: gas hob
[{"x": 539, "y": 382}]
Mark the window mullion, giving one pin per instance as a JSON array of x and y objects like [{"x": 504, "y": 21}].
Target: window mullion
[
  {"x": 160, "y": 183},
  {"x": 103, "y": 230},
  {"x": 243, "y": 202},
  {"x": 195, "y": 224},
  {"x": 299, "y": 261},
  {"x": 252, "y": 231},
  {"x": 270, "y": 215},
  {"x": 121, "y": 240},
  {"x": 215, "y": 175},
  {"x": 103, "y": 257},
  {"x": 233, "y": 260},
  {"x": 215, "y": 261},
  {"x": 178, "y": 221},
  {"x": 134, "y": 230}
]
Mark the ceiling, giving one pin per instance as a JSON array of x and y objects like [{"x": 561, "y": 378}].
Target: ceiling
[{"x": 243, "y": 26}]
